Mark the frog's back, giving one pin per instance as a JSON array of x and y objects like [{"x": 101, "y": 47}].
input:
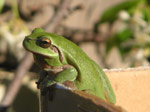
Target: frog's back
[{"x": 90, "y": 73}]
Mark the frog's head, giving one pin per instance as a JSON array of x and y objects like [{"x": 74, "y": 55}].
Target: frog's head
[{"x": 39, "y": 42}]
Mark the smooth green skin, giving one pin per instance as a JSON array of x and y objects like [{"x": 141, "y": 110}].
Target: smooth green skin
[{"x": 85, "y": 73}]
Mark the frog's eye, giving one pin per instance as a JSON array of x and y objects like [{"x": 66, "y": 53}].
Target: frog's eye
[{"x": 44, "y": 42}]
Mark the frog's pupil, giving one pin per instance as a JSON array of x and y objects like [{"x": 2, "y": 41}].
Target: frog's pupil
[{"x": 45, "y": 42}]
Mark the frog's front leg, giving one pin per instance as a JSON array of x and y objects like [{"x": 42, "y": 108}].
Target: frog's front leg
[{"x": 66, "y": 73}]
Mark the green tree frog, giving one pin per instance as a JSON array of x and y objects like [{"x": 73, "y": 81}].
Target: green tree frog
[{"x": 67, "y": 62}]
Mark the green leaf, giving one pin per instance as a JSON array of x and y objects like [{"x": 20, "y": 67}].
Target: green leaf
[
  {"x": 111, "y": 14},
  {"x": 117, "y": 39},
  {"x": 124, "y": 35},
  {"x": 146, "y": 14},
  {"x": 148, "y": 2},
  {"x": 1, "y": 4}
]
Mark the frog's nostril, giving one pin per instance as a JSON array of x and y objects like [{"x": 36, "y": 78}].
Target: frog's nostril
[{"x": 28, "y": 38}]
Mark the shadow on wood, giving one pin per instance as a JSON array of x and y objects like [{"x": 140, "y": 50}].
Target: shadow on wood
[{"x": 61, "y": 99}]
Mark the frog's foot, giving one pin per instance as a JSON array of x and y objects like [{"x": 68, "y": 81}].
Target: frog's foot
[
  {"x": 45, "y": 79},
  {"x": 38, "y": 84},
  {"x": 46, "y": 83},
  {"x": 43, "y": 75}
]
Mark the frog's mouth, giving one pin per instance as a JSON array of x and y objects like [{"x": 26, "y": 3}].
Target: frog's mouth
[{"x": 40, "y": 55}]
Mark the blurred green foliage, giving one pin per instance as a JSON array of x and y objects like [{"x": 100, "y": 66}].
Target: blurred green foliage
[
  {"x": 111, "y": 14},
  {"x": 12, "y": 32},
  {"x": 130, "y": 27},
  {"x": 1, "y": 4},
  {"x": 118, "y": 38}
]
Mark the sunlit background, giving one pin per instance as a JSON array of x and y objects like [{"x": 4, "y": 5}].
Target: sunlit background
[{"x": 114, "y": 33}]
